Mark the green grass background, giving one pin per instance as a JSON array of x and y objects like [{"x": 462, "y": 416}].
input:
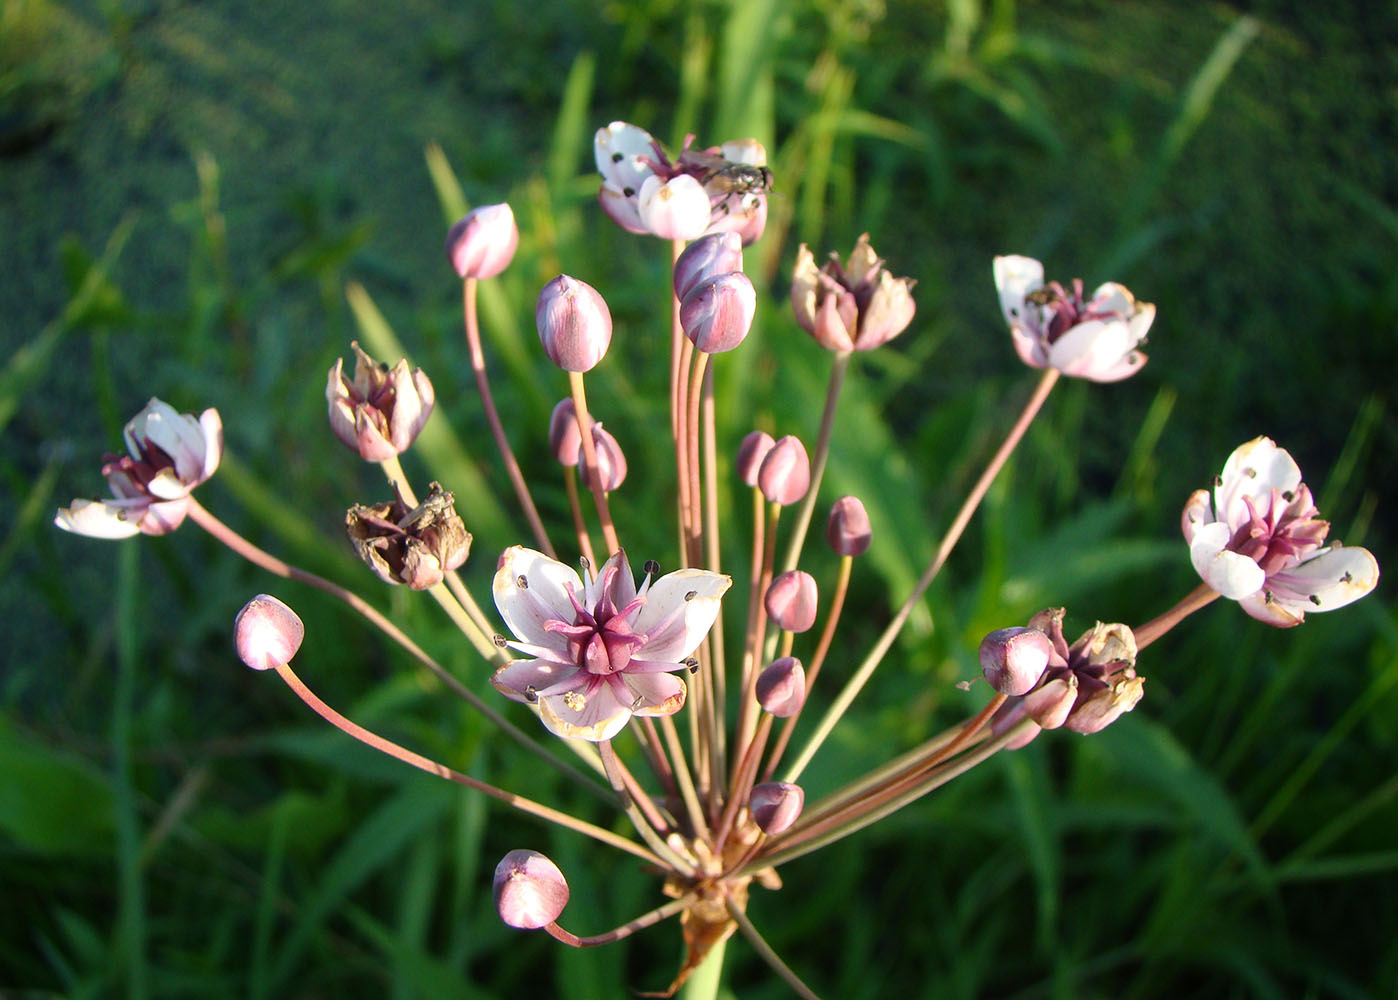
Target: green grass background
[{"x": 190, "y": 189}]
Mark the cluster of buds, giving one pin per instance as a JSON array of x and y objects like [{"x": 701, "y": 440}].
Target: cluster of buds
[{"x": 594, "y": 654}]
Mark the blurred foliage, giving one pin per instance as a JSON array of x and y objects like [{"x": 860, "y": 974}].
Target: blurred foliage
[{"x": 191, "y": 190}]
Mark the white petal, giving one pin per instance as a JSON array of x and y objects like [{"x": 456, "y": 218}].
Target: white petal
[
  {"x": 1232, "y": 575},
  {"x": 1111, "y": 297},
  {"x": 1198, "y": 511},
  {"x": 669, "y": 593},
  {"x": 1253, "y": 470},
  {"x": 655, "y": 694},
  {"x": 621, "y": 210},
  {"x": 179, "y": 436},
  {"x": 1016, "y": 277},
  {"x": 1330, "y": 579},
  {"x": 596, "y": 716},
  {"x": 212, "y": 426},
  {"x": 677, "y": 209},
  {"x": 619, "y": 149},
  {"x": 99, "y": 519},
  {"x": 514, "y": 679},
  {"x": 1091, "y": 349},
  {"x": 543, "y": 597}
]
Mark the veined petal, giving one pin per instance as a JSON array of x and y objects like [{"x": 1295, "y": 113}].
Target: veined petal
[
  {"x": 1272, "y": 612},
  {"x": 1016, "y": 277},
  {"x": 178, "y": 435},
  {"x": 1253, "y": 470},
  {"x": 542, "y": 597},
  {"x": 99, "y": 519},
  {"x": 164, "y": 517},
  {"x": 1112, "y": 297},
  {"x": 1334, "y": 577},
  {"x": 655, "y": 694},
  {"x": 1091, "y": 348},
  {"x": 594, "y": 715},
  {"x": 515, "y": 679},
  {"x": 619, "y": 149},
  {"x": 1232, "y": 575},
  {"x": 1029, "y": 347},
  {"x": 622, "y": 210},
  {"x": 677, "y": 209},
  {"x": 689, "y": 618}
]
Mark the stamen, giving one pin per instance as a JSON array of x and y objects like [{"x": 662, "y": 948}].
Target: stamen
[
  {"x": 1347, "y": 578},
  {"x": 1315, "y": 600},
  {"x": 521, "y": 582},
  {"x": 1218, "y": 481},
  {"x": 691, "y": 595},
  {"x": 499, "y": 640},
  {"x": 630, "y": 192},
  {"x": 635, "y": 705},
  {"x": 692, "y": 664},
  {"x": 651, "y": 567},
  {"x": 1251, "y": 473},
  {"x": 575, "y": 701},
  {"x": 618, "y": 157},
  {"x": 1288, "y": 496},
  {"x": 531, "y": 694}
]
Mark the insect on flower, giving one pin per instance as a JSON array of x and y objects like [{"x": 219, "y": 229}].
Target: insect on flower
[{"x": 722, "y": 177}]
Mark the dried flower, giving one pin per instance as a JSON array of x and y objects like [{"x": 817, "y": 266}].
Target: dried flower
[
  {"x": 267, "y": 633},
  {"x": 855, "y": 307},
  {"x": 1258, "y": 541},
  {"x": 418, "y": 546},
  {"x": 380, "y": 411},
  {"x": 530, "y": 891},
  {"x": 482, "y": 244},
  {"x": 1095, "y": 339},
  {"x": 601, "y": 650},
  {"x": 169, "y": 454},
  {"x": 575, "y": 325}
]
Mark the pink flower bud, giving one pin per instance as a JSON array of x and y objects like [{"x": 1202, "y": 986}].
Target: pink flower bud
[
  {"x": 717, "y": 314},
  {"x": 1011, "y": 714},
  {"x": 781, "y": 688},
  {"x": 483, "y": 243},
  {"x": 775, "y": 805},
  {"x": 564, "y": 439},
  {"x": 751, "y": 453},
  {"x": 705, "y": 258},
  {"x": 530, "y": 892},
  {"x": 791, "y": 601},
  {"x": 611, "y": 461},
  {"x": 848, "y": 530},
  {"x": 574, "y": 323},
  {"x": 267, "y": 633},
  {"x": 1013, "y": 659},
  {"x": 785, "y": 475}
]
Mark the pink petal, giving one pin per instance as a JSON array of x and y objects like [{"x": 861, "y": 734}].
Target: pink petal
[
  {"x": 544, "y": 597},
  {"x": 695, "y": 616}
]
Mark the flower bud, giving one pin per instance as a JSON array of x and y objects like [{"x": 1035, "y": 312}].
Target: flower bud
[
  {"x": 717, "y": 314},
  {"x": 379, "y": 412},
  {"x": 1013, "y": 659},
  {"x": 267, "y": 633},
  {"x": 848, "y": 530},
  {"x": 705, "y": 258},
  {"x": 565, "y": 441},
  {"x": 530, "y": 892},
  {"x": 791, "y": 601},
  {"x": 417, "y": 547},
  {"x": 483, "y": 243},
  {"x": 751, "y": 453},
  {"x": 775, "y": 805},
  {"x": 574, "y": 323},
  {"x": 611, "y": 460},
  {"x": 785, "y": 475},
  {"x": 1011, "y": 714},
  {"x": 781, "y": 688}
]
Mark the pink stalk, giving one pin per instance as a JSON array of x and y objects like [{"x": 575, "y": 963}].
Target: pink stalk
[
  {"x": 625, "y": 930},
  {"x": 473, "y": 344},
  {"x": 599, "y": 495},
  {"x": 1201, "y": 596},
  {"x": 570, "y": 482},
  {"x": 838, "y": 368},
  {"x": 949, "y": 540},
  {"x": 519, "y": 802}
]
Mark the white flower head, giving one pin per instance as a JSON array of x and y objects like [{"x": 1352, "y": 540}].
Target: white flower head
[
  {"x": 600, "y": 650},
  {"x": 1257, "y": 540}
]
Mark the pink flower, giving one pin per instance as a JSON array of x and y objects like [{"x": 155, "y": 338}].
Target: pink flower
[
  {"x": 1095, "y": 339},
  {"x": 856, "y": 306},
  {"x": 1258, "y": 540},
  {"x": 721, "y": 189},
  {"x": 380, "y": 411},
  {"x": 169, "y": 454},
  {"x": 600, "y": 651}
]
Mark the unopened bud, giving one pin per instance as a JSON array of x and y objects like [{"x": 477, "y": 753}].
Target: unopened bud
[
  {"x": 781, "y": 688},
  {"x": 848, "y": 530},
  {"x": 1050, "y": 704},
  {"x": 1013, "y": 659},
  {"x": 530, "y": 892},
  {"x": 705, "y": 258},
  {"x": 775, "y": 805},
  {"x": 564, "y": 439},
  {"x": 611, "y": 460},
  {"x": 267, "y": 633},
  {"x": 717, "y": 314},
  {"x": 791, "y": 601},
  {"x": 574, "y": 323},
  {"x": 785, "y": 475},
  {"x": 483, "y": 243},
  {"x": 751, "y": 453}
]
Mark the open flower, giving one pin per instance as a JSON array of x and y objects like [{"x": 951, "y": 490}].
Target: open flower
[
  {"x": 1095, "y": 339},
  {"x": 600, "y": 651},
  {"x": 170, "y": 453},
  {"x": 856, "y": 306},
  {"x": 720, "y": 189},
  {"x": 1258, "y": 539}
]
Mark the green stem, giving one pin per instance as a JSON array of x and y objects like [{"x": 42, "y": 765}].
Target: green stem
[{"x": 704, "y": 982}]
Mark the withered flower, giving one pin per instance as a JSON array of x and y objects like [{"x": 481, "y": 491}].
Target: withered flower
[{"x": 418, "y": 546}]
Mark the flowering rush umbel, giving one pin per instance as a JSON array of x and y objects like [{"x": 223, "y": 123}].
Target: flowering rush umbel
[{"x": 700, "y": 718}]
